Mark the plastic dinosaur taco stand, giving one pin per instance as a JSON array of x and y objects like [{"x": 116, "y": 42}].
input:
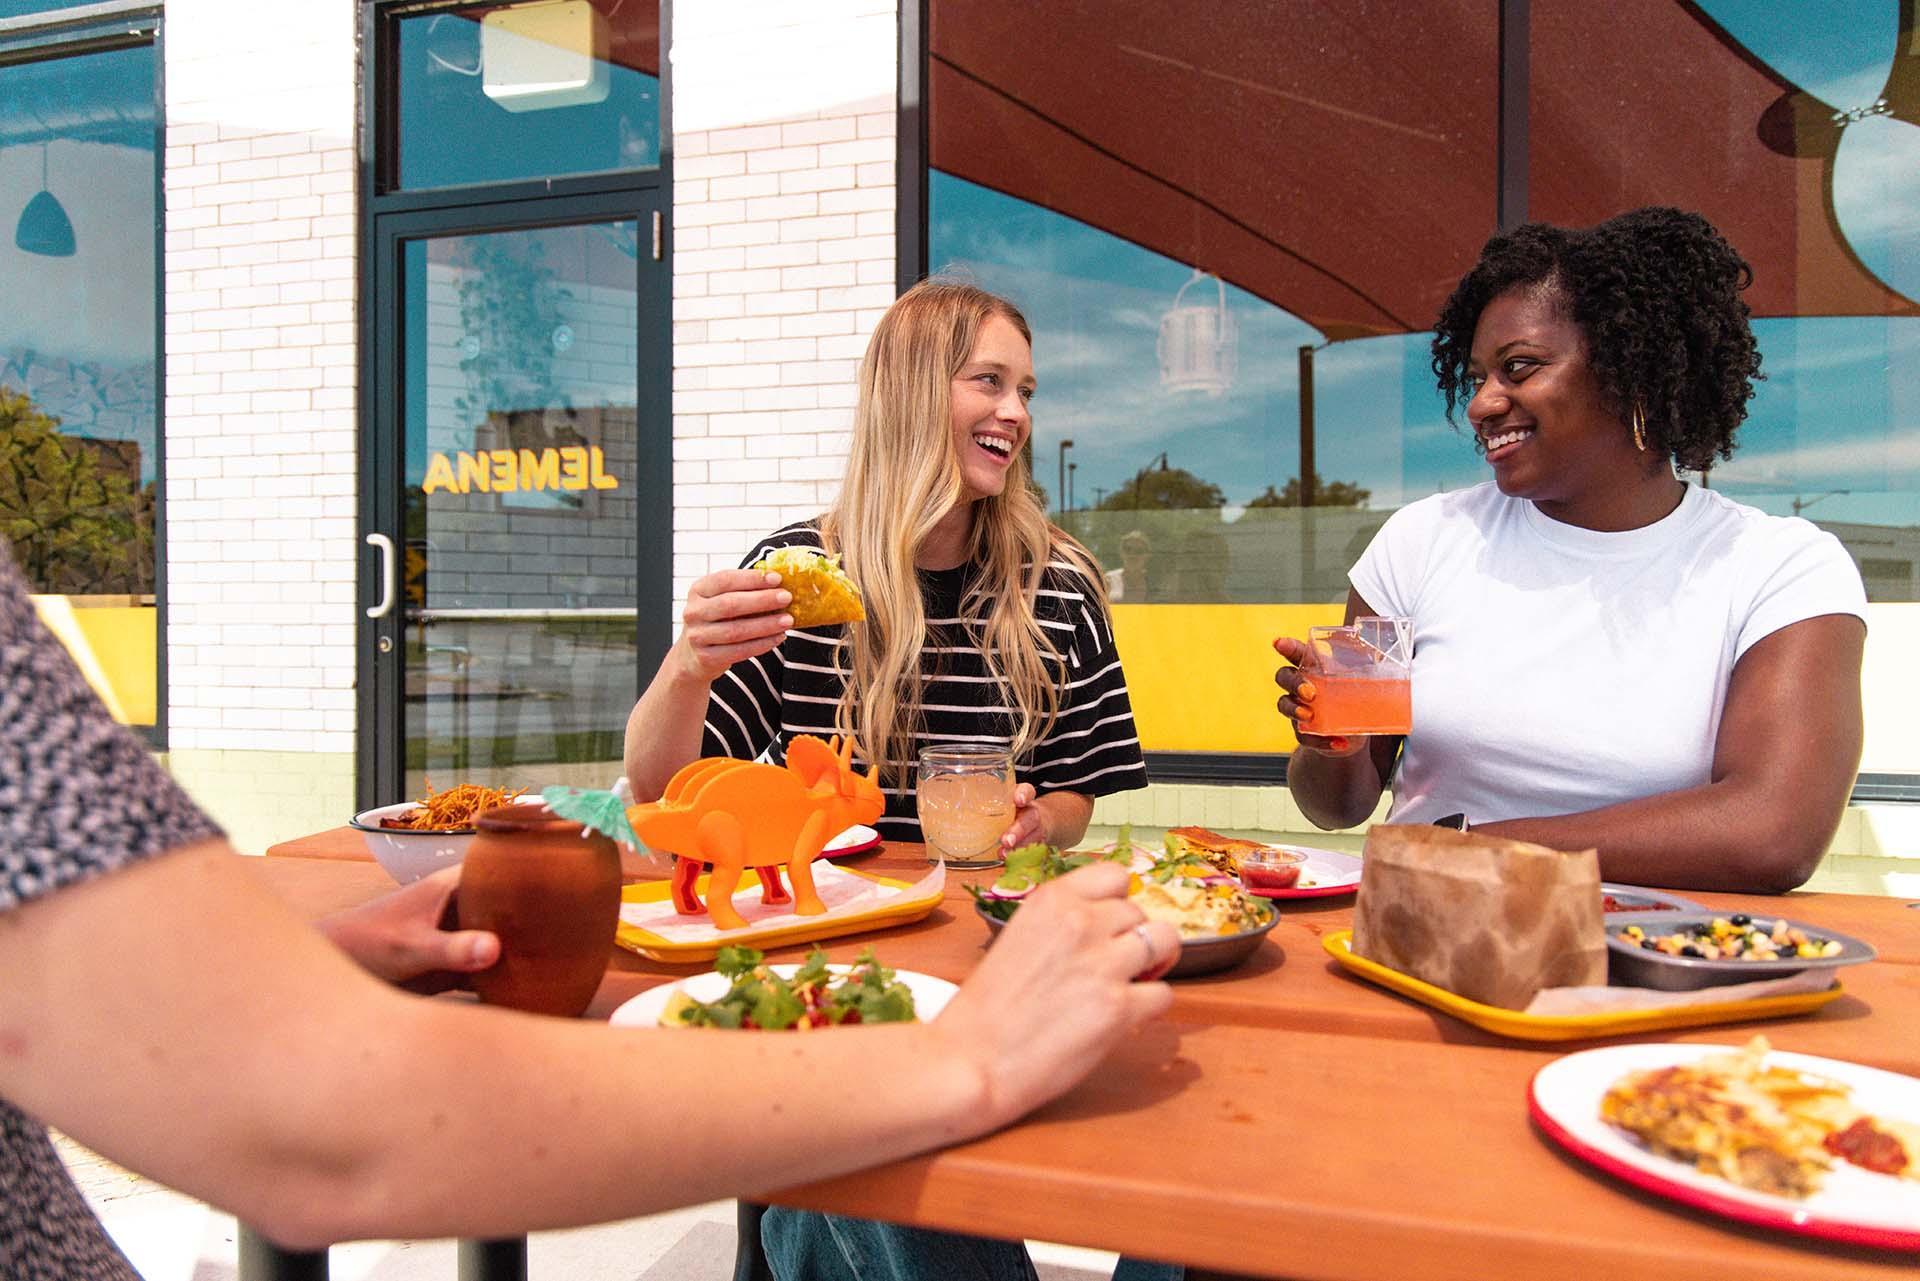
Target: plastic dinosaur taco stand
[{"x": 740, "y": 814}]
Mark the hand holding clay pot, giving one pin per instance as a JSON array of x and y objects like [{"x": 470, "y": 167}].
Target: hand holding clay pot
[{"x": 551, "y": 890}]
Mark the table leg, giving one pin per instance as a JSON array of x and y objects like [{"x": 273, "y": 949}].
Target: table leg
[
  {"x": 501, "y": 1260},
  {"x": 262, "y": 1260},
  {"x": 749, "y": 1258}
]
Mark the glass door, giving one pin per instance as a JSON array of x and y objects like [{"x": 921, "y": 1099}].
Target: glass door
[{"x": 521, "y": 553}]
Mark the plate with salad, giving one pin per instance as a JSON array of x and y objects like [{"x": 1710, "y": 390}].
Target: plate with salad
[
  {"x": 745, "y": 992},
  {"x": 1220, "y": 924}
]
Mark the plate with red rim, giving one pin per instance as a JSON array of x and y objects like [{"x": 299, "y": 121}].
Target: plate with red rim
[
  {"x": 1329, "y": 871},
  {"x": 859, "y": 839},
  {"x": 1853, "y": 1205}
]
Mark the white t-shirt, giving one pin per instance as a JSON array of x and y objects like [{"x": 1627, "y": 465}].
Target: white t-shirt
[{"x": 1559, "y": 669}]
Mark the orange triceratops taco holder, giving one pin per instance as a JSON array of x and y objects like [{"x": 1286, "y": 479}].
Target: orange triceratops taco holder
[{"x": 739, "y": 814}]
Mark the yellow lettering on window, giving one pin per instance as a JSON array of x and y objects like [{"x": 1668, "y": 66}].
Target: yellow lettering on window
[
  {"x": 541, "y": 470},
  {"x": 440, "y": 476},
  {"x": 596, "y": 470},
  {"x": 506, "y": 470},
  {"x": 573, "y": 467},
  {"x": 473, "y": 473}
]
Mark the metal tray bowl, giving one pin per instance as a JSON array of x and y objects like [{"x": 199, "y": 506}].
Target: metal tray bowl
[
  {"x": 1197, "y": 956},
  {"x": 1630, "y": 965},
  {"x": 1637, "y": 898}
]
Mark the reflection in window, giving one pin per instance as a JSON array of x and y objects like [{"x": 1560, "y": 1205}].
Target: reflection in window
[
  {"x": 495, "y": 93},
  {"x": 521, "y": 492},
  {"x": 1229, "y": 238},
  {"x": 1795, "y": 138},
  {"x": 79, "y": 435}
]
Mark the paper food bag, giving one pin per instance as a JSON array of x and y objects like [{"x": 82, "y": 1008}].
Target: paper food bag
[{"x": 1491, "y": 920}]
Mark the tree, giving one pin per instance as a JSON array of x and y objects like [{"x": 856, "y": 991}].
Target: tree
[
  {"x": 1164, "y": 488},
  {"x": 77, "y": 523},
  {"x": 1338, "y": 493}
]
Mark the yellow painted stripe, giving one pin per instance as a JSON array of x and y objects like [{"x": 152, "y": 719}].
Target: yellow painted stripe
[{"x": 1201, "y": 676}]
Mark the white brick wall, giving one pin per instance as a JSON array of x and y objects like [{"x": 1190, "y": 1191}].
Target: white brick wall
[
  {"x": 783, "y": 259},
  {"x": 783, "y": 262},
  {"x": 261, "y": 376}
]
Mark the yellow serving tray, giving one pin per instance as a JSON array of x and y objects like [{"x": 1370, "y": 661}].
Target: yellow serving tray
[
  {"x": 637, "y": 938},
  {"x": 1568, "y": 1027}
]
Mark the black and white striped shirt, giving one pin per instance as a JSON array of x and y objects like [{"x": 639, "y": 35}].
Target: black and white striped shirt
[{"x": 758, "y": 705}]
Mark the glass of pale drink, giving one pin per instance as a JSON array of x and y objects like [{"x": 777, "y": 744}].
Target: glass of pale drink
[{"x": 965, "y": 794}]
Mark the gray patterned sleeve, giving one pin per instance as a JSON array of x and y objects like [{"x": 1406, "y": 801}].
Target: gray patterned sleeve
[{"x": 79, "y": 793}]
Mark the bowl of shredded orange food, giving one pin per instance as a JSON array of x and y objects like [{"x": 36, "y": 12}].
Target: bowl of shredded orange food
[{"x": 417, "y": 838}]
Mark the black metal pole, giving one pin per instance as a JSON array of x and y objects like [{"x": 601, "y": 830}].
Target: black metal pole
[
  {"x": 501, "y": 1260},
  {"x": 262, "y": 1260},
  {"x": 1307, "y": 467}
]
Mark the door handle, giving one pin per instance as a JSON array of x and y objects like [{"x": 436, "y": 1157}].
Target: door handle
[{"x": 385, "y": 545}]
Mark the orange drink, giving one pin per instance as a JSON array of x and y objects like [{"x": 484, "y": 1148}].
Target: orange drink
[
  {"x": 1361, "y": 705},
  {"x": 1362, "y": 677}
]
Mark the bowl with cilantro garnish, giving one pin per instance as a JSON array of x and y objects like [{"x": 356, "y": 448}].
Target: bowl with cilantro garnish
[
  {"x": 745, "y": 992},
  {"x": 1220, "y": 924}
]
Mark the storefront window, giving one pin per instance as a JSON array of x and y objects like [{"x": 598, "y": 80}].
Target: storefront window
[
  {"x": 79, "y": 407},
  {"x": 1231, "y": 234},
  {"x": 1209, "y": 224},
  {"x": 1788, "y": 134},
  {"x": 496, "y": 93}
]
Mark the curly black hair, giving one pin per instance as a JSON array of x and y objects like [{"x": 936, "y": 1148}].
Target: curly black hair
[{"x": 1656, "y": 295}]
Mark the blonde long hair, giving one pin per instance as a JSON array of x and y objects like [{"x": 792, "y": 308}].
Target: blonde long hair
[{"x": 903, "y": 476}]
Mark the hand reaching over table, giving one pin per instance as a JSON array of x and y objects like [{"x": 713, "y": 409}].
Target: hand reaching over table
[
  {"x": 406, "y": 938},
  {"x": 1058, "y": 990}
]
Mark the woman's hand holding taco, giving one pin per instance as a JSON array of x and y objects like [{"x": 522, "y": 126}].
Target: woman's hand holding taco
[{"x": 731, "y": 615}]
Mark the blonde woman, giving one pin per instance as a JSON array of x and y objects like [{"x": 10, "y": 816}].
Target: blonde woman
[{"x": 984, "y": 622}]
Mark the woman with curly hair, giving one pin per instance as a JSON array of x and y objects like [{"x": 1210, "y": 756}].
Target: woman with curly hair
[{"x": 1605, "y": 654}]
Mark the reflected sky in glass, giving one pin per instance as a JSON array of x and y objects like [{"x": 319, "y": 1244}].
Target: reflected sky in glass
[
  {"x": 452, "y": 133},
  {"x": 1838, "y": 410}
]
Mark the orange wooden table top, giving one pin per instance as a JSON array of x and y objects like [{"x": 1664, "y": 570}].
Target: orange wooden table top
[{"x": 1290, "y": 1120}]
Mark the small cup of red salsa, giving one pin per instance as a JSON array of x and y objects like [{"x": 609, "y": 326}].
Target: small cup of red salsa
[{"x": 1271, "y": 869}]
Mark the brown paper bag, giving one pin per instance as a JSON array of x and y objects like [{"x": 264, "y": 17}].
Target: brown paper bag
[{"x": 1489, "y": 919}]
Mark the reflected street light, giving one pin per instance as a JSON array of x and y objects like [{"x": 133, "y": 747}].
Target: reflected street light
[
  {"x": 1060, "y": 495},
  {"x": 1799, "y": 506}
]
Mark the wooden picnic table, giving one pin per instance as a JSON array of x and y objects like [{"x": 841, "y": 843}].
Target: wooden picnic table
[{"x": 1290, "y": 1120}]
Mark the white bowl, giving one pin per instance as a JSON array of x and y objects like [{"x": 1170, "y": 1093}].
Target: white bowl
[{"x": 406, "y": 854}]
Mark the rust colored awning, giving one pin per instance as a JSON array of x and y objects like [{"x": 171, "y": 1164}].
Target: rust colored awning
[{"x": 1339, "y": 159}]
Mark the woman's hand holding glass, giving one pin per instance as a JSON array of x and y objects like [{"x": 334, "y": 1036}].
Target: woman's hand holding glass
[
  {"x": 1296, "y": 704},
  {"x": 1029, "y": 824},
  {"x": 731, "y": 616}
]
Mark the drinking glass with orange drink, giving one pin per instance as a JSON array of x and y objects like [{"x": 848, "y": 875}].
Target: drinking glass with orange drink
[{"x": 1362, "y": 676}]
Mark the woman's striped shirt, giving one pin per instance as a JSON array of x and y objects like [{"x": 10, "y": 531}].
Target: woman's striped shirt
[{"x": 758, "y": 705}]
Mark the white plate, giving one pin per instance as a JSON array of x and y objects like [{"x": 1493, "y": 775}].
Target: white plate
[
  {"x": 1852, "y": 1204},
  {"x": 1330, "y": 872},
  {"x": 855, "y": 840},
  {"x": 930, "y": 995}
]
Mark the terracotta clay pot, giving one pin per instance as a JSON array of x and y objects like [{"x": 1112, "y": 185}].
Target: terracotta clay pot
[{"x": 552, "y": 894}]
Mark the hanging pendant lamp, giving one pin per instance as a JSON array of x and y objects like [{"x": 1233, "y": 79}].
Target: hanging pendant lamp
[
  {"x": 1198, "y": 344},
  {"x": 44, "y": 227}
]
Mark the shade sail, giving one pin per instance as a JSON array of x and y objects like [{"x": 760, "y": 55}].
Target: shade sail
[{"x": 1339, "y": 159}]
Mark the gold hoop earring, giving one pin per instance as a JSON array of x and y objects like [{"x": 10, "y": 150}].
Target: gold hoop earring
[{"x": 1640, "y": 429}]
